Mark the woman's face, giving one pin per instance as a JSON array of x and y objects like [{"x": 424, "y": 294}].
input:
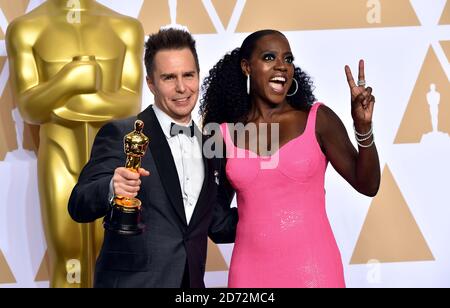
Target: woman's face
[{"x": 271, "y": 68}]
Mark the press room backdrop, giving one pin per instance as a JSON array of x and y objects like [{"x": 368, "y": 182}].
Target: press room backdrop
[{"x": 398, "y": 239}]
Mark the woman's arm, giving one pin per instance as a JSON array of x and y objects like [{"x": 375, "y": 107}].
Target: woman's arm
[{"x": 360, "y": 168}]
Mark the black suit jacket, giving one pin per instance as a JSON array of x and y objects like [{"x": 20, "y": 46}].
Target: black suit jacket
[{"x": 158, "y": 257}]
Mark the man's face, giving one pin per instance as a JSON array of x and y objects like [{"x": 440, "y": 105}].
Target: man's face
[{"x": 175, "y": 83}]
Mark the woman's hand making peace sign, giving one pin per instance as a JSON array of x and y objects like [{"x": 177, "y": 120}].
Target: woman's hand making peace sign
[{"x": 361, "y": 98}]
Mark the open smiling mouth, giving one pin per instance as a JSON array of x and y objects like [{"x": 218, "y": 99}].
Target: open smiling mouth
[
  {"x": 277, "y": 84},
  {"x": 181, "y": 101}
]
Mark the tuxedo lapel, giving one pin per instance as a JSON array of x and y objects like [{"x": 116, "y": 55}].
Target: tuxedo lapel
[{"x": 159, "y": 147}]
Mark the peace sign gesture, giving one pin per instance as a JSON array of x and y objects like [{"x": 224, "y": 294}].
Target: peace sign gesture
[{"x": 361, "y": 97}]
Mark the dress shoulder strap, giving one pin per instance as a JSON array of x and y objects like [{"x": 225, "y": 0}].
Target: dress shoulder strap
[{"x": 312, "y": 117}]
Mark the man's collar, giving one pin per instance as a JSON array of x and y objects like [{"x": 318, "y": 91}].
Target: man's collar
[{"x": 165, "y": 121}]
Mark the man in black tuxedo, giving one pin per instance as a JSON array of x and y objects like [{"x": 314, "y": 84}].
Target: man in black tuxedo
[{"x": 179, "y": 187}]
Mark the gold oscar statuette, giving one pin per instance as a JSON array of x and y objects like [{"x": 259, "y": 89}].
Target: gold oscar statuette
[{"x": 125, "y": 216}]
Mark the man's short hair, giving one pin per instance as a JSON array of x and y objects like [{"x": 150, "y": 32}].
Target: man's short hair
[{"x": 167, "y": 39}]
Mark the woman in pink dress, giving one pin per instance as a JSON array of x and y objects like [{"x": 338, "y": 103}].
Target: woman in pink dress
[{"x": 283, "y": 237}]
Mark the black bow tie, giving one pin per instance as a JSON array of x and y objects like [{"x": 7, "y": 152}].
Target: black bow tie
[{"x": 185, "y": 130}]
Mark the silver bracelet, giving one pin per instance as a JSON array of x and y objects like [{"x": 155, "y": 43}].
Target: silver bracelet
[
  {"x": 363, "y": 139},
  {"x": 366, "y": 146},
  {"x": 363, "y": 135}
]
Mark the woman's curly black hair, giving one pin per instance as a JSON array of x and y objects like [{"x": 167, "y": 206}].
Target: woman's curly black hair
[{"x": 225, "y": 98}]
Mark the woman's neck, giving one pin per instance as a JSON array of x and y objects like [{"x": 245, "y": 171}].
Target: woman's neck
[{"x": 263, "y": 111}]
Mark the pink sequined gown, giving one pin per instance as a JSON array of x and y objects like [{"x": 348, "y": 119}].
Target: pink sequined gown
[{"x": 283, "y": 238}]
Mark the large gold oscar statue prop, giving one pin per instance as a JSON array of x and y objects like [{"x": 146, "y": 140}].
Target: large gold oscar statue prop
[{"x": 75, "y": 64}]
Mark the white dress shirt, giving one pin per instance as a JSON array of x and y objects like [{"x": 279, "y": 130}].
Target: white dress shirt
[{"x": 187, "y": 155}]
